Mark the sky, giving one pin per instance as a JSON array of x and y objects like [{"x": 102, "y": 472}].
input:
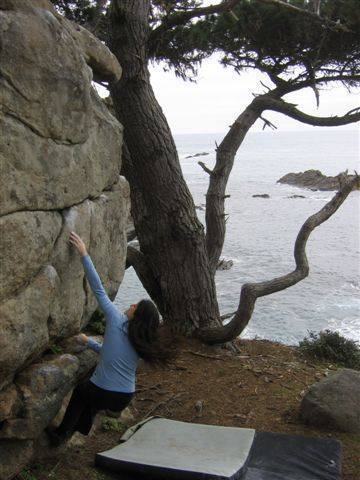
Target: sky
[
  {"x": 220, "y": 95},
  {"x": 214, "y": 102}
]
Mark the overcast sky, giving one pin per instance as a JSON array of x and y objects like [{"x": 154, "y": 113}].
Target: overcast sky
[{"x": 219, "y": 96}]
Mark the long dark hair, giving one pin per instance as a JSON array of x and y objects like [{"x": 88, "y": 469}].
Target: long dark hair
[{"x": 151, "y": 340}]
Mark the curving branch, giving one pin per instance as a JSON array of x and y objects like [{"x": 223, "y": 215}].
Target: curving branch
[
  {"x": 284, "y": 87},
  {"x": 289, "y": 109},
  {"x": 250, "y": 292},
  {"x": 215, "y": 197},
  {"x": 225, "y": 155},
  {"x": 135, "y": 259}
]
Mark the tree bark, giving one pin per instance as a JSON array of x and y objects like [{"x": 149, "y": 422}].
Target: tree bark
[
  {"x": 219, "y": 176},
  {"x": 171, "y": 237}
]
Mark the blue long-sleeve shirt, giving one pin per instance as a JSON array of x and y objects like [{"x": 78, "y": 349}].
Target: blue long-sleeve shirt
[{"x": 118, "y": 360}]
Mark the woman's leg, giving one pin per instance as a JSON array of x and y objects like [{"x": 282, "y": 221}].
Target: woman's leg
[
  {"x": 86, "y": 400},
  {"x": 100, "y": 399},
  {"x": 79, "y": 402}
]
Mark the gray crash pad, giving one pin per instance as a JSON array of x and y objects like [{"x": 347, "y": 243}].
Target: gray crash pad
[{"x": 172, "y": 449}]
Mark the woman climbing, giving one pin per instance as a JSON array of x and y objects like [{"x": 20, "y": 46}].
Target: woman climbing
[{"x": 128, "y": 336}]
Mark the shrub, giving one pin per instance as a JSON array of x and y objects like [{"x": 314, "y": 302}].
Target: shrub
[{"x": 331, "y": 346}]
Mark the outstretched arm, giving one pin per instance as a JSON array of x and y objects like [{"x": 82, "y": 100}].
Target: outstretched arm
[
  {"x": 92, "y": 276},
  {"x": 89, "y": 342}
]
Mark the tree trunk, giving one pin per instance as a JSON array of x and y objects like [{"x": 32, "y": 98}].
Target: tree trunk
[
  {"x": 219, "y": 176},
  {"x": 171, "y": 237}
]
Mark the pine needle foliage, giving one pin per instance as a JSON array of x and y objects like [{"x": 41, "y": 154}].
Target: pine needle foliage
[
  {"x": 284, "y": 44},
  {"x": 78, "y": 11}
]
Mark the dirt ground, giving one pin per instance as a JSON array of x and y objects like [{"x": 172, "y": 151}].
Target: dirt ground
[{"x": 260, "y": 387}]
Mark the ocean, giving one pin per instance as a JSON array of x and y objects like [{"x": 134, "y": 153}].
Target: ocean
[{"x": 261, "y": 231}]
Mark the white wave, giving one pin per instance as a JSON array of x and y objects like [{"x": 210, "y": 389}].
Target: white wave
[{"x": 348, "y": 327}]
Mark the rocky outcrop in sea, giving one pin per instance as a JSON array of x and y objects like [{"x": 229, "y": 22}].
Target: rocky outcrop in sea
[
  {"x": 60, "y": 153},
  {"x": 200, "y": 154},
  {"x": 315, "y": 180}
]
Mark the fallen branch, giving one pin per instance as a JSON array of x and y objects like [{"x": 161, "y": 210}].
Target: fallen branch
[
  {"x": 213, "y": 357},
  {"x": 161, "y": 404}
]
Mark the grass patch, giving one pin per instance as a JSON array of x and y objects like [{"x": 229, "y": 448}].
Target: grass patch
[
  {"x": 109, "y": 424},
  {"x": 26, "y": 475},
  {"x": 55, "y": 349},
  {"x": 333, "y": 347}
]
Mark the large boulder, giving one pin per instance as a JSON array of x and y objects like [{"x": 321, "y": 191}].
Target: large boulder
[
  {"x": 42, "y": 388},
  {"x": 60, "y": 154},
  {"x": 24, "y": 322},
  {"x": 59, "y": 145},
  {"x": 334, "y": 402},
  {"x": 27, "y": 240}
]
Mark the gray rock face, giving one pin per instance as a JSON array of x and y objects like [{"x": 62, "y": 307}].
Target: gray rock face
[
  {"x": 42, "y": 386},
  {"x": 55, "y": 127},
  {"x": 60, "y": 154},
  {"x": 24, "y": 320},
  {"x": 27, "y": 240},
  {"x": 315, "y": 180},
  {"x": 334, "y": 402}
]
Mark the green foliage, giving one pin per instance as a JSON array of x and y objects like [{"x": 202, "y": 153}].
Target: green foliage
[
  {"x": 89, "y": 13},
  {"x": 109, "y": 424},
  {"x": 97, "y": 323},
  {"x": 274, "y": 40},
  {"x": 97, "y": 327},
  {"x": 55, "y": 349},
  {"x": 331, "y": 346},
  {"x": 26, "y": 475},
  {"x": 79, "y": 11},
  {"x": 282, "y": 43}
]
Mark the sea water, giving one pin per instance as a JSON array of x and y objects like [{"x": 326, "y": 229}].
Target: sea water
[{"x": 261, "y": 232}]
